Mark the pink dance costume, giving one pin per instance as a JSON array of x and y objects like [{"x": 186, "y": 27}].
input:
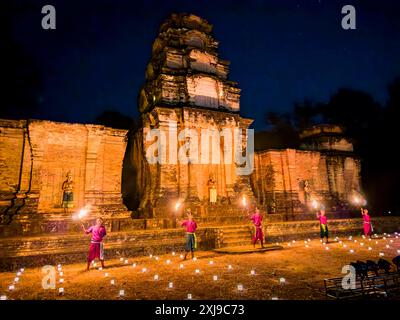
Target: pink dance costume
[
  {"x": 367, "y": 225},
  {"x": 96, "y": 248},
  {"x": 257, "y": 221}
]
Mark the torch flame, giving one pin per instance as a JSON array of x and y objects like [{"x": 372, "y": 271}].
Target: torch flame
[
  {"x": 244, "y": 201},
  {"x": 177, "y": 205},
  {"x": 82, "y": 213}
]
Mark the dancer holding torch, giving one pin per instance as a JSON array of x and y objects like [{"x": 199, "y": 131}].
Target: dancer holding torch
[
  {"x": 96, "y": 249},
  {"x": 190, "y": 226},
  {"x": 256, "y": 218},
  {"x": 323, "y": 224},
  {"x": 367, "y": 222}
]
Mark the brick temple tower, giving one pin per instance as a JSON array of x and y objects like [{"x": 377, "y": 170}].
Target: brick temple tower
[{"x": 187, "y": 92}]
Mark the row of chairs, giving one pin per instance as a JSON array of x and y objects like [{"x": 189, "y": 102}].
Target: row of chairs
[
  {"x": 373, "y": 279},
  {"x": 363, "y": 269}
]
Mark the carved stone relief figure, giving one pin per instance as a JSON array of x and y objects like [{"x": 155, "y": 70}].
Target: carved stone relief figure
[{"x": 68, "y": 195}]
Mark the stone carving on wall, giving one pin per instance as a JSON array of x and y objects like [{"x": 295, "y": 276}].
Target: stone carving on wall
[
  {"x": 213, "y": 190},
  {"x": 68, "y": 194},
  {"x": 307, "y": 191}
]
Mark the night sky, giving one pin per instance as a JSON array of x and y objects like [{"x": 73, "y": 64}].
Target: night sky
[{"x": 280, "y": 51}]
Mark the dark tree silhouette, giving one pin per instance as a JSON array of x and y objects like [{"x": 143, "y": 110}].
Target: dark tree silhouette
[
  {"x": 305, "y": 114},
  {"x": 115, "y": 119}
]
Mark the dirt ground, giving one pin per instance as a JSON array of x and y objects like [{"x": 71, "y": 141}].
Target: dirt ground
[{"x": 296, "y": 272}]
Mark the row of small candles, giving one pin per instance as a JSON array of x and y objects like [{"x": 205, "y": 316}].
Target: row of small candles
[
  {"x": 156, "y": 277},
  {"x": 11, "y": 287},
  {"x": 350, "y": 238},
  {"x": 240, "y": 287}
]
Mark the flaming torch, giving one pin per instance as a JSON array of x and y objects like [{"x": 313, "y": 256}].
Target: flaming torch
[
  {"x": 359, "y": 201},
  {"x": 178, "y": 204},
  {"x": 81, "y": 214},
  {"x": 244, "y": 201}
]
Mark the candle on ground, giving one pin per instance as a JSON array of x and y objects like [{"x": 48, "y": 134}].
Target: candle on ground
[
  {"x": 240, "y": 287},
  {"x": 282, "y": 280},
  {"x": 189, "y": 296},
  {"x": 252, "y": 272},
  {"x": 170, "y": 285},
  {"x": 144, "y": 269},
  {"x": 215, "y": 278},
  {"x": 121, "y": 293},
  {"x": 156, "y": 277},
  {"x": 61, "y": 290},
  {"x": 112, "y": 282},
  {"x": 11, "y": 287},
  {"x": 61, "y": 280},
  {"x": 3, "y": 297}
]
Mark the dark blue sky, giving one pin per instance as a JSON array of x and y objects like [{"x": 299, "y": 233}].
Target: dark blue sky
[{"x": 280, "y": 51}]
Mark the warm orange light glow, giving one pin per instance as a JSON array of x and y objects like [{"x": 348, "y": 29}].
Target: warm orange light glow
[
  {"x": 244, "y": 201},
  {"x": 178, "y": 205},
  {"x": 82, "y": 213}
]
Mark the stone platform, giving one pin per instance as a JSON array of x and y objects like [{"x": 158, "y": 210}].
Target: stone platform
[
  {"x": 247, "y": 249},
  {"x": 44, "y": 249}
]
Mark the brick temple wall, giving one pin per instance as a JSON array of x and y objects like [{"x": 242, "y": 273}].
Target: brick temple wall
[
  {"x": 160, "y": 185},
  {"x": 35, "y": 157},
  {"x": 279, "y": 179}
]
